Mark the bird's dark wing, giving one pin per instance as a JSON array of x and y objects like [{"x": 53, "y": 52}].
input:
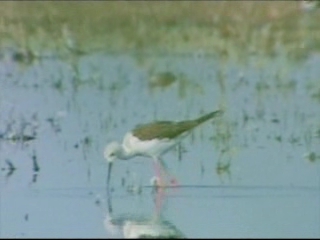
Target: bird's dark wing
[
  {"x": 168, "y": 129},
  {"x": 162, "y": 129}
]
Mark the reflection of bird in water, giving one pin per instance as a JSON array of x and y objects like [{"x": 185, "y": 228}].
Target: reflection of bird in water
[
  {"x": 140, "y": 226},
  {"x": 153, "y": 140}
]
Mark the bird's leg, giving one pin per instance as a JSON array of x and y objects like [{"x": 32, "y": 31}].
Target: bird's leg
[
  {"x": 159, "y": 199},
  {"x": 164, "y": 168},
  {"x": 158, "y": 171}
]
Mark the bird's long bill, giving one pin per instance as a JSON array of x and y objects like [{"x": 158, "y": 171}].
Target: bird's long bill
[{"x": 109, "y": 173}]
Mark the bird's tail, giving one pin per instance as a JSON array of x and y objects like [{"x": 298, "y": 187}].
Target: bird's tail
[{"x": 209, "y": 116}]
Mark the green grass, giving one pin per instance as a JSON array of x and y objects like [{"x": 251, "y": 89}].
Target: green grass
[{"x": 229, "y": 28}]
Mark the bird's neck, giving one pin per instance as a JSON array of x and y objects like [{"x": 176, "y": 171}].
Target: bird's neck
[{"x": 124, "y": 154}]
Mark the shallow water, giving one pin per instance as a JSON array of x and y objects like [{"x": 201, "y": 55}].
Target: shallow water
[{"x": 254, "y": 172}]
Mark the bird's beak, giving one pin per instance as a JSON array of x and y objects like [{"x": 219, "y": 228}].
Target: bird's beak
[{"x": 109, "y": 173}]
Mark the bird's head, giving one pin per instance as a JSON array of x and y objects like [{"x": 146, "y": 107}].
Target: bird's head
[{"x": 111, "y": 153}]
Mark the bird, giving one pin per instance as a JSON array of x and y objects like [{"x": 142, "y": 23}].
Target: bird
[{"x": 153, "y": 140}]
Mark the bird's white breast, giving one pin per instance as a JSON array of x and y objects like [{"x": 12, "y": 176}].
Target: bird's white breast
[{"x": 152, "y": 148}]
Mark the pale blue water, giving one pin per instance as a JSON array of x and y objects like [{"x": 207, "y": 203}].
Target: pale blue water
[{"x": 271, "y": 123}]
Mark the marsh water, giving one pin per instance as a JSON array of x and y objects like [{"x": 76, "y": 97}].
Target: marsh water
[{"x": 253, "y": 172}]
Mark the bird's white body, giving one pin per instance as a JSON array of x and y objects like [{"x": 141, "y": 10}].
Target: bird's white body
[{"x": 154, "y": 148}]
